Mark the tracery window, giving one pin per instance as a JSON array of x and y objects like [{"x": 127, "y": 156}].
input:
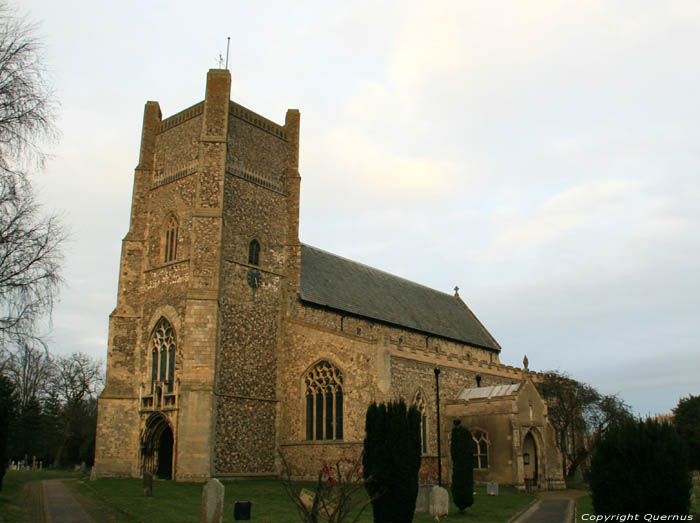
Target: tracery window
[
  {"x": 163, "y": 352},
  {"x": 481, "y": 458},
  {"x": 171, "y": 230},
  {"x": 254, "y": 253},
  {"x": 419, "y": 402},
  {"x": 324, "y": 402}
]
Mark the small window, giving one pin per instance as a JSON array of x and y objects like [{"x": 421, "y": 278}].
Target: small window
[
  {"x": 254, "y": 253},
  {"x": 419, "y": 402},
  {"x": 478, "y": 381},
  {"x": 481, "y": 458},
  {"x": 171, "y": 230}
]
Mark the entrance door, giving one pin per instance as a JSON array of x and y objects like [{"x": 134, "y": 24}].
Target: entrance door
[
  {"x": 165, "y": 454},
  {"x": 157, "y": 447},
  {"x": 530, "y": 460}
]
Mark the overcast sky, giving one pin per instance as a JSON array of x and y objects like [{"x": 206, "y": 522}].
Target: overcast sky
[{"x": 544, "y": 156}]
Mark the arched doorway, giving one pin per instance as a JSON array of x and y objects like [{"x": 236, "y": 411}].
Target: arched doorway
[
  {"x": 530, "y": 462},
  {"x": 157, "y": 447}
]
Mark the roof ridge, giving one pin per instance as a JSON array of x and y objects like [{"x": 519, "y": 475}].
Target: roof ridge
[{"x": 380, "y": 270}]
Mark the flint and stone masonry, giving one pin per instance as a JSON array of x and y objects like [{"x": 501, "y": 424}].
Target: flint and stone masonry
[{"x": 237, "y": 351}]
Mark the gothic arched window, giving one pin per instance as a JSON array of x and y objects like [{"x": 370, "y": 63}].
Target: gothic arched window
[
  {"x": 481, "y": 458},
  {"x": 324, "y": 402},
  {"x": 254, "y": 253},
  {"x": 419, "y": 402},
  {"x": 171, "y": 229},
  {"x": 163, "y": 352}
]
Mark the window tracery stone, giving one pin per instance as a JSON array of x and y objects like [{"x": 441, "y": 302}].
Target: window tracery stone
[
  {"x": 324, "y": 402},
  {"x": 481, "y": 458},
  {"x": 163, "y": 347},
  {"x": 419, "y": 402}
]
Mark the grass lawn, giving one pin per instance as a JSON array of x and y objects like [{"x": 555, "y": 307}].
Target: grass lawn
[
  {"x": 173, "y": 502},
  {"x": 584, "y": 505},
  {"x": 20, "y": 497}
]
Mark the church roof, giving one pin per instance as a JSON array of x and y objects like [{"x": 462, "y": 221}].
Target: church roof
[
  {"x": 495, "y": 391},
  {"x": 342, "y": 284}
]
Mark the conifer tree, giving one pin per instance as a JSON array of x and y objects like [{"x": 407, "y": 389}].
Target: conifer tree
[
  {"x": 462, "y": 451},
  {"x": 391, "y": 460},
  {"x": 639, "y": 467},
  {"x": 686, "y": 419}
]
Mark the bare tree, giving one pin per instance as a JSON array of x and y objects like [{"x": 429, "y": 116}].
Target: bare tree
[
  {"x": 30, "y": 243},
  {"x": 31, "y": 371},
  {"x": 579, "y": 414},
  {"x": 76, "y": 381}
]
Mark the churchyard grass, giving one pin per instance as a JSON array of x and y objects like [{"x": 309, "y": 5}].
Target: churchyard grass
[
  {"x": 584, "y": 505},
  {"x": 20, "y": 497},
  {"x": 181, "y": 502}
]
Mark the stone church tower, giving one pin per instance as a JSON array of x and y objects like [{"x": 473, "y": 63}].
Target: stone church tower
[
  {"x": 233, "y": 344},
  {"x": 211, "y": 254}
]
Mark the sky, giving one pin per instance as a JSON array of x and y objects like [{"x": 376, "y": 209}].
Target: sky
[{"x": 544, "y": 156}]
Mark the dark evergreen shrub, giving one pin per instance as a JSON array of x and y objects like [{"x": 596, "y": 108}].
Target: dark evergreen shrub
[
  {"x": 686, "y": 419},
  {"x": 391, "y": 461},
  {"x": 639, "y": 467},
  {"x": 462, "y": 451},
  {"x": 7, "y": 413}
]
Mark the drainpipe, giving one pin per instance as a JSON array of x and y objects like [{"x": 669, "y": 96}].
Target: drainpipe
[{"x": 437, "y": 401}]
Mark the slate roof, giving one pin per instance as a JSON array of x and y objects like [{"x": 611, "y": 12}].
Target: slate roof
[
  {"x": 495, "y": 391},
  {"x": 345, "y": 285}
]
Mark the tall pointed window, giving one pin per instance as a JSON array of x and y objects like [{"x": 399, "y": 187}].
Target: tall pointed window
[
  {"x": 254, "y": 253},
  {"x": 163, "y": 352},
  {"x": 171, "y": 229},
  {"x": 324, "y": 402},
  {"x": 481, "y": 458},
  {"x": 419, "y": 402}
]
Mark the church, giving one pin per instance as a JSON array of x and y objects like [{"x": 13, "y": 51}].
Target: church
[{"x": 236, "y": 351}]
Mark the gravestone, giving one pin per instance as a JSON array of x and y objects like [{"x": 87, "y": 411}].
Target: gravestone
[
  {"x": 212, "y": 502},
  {"x": 439, "y": 502},
  {"x": 147, "y": 484},
  {"x": 423, "y": 499},
  {"x": 492, "y": 488},
  {"x": 325, "y": 510}
]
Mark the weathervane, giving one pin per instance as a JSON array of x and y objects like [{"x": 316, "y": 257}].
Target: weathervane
[{"x": 221, "y": 58}]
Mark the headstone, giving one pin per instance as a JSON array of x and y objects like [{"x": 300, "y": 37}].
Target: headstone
[
  {"x": 212, "y": 502},
  {"x": 324, "y": 509},
  {"x": 93, "y": 473},
  {"x": 147, "y": 484},
  {"x": 241, "y": 510},
  {"x": 492, "y": 488},
  {"x": 439, "y": 502},
  {"x": 307, "y": 498},
  {"x": 423, "y": 499}
]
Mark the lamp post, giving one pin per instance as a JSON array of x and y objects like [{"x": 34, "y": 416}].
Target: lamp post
[{"x": 437, "y": 401}]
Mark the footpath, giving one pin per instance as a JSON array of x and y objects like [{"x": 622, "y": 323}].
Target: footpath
[
  {"x": 59, "y": 504},
  {"x": 551, "y": 507}
]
